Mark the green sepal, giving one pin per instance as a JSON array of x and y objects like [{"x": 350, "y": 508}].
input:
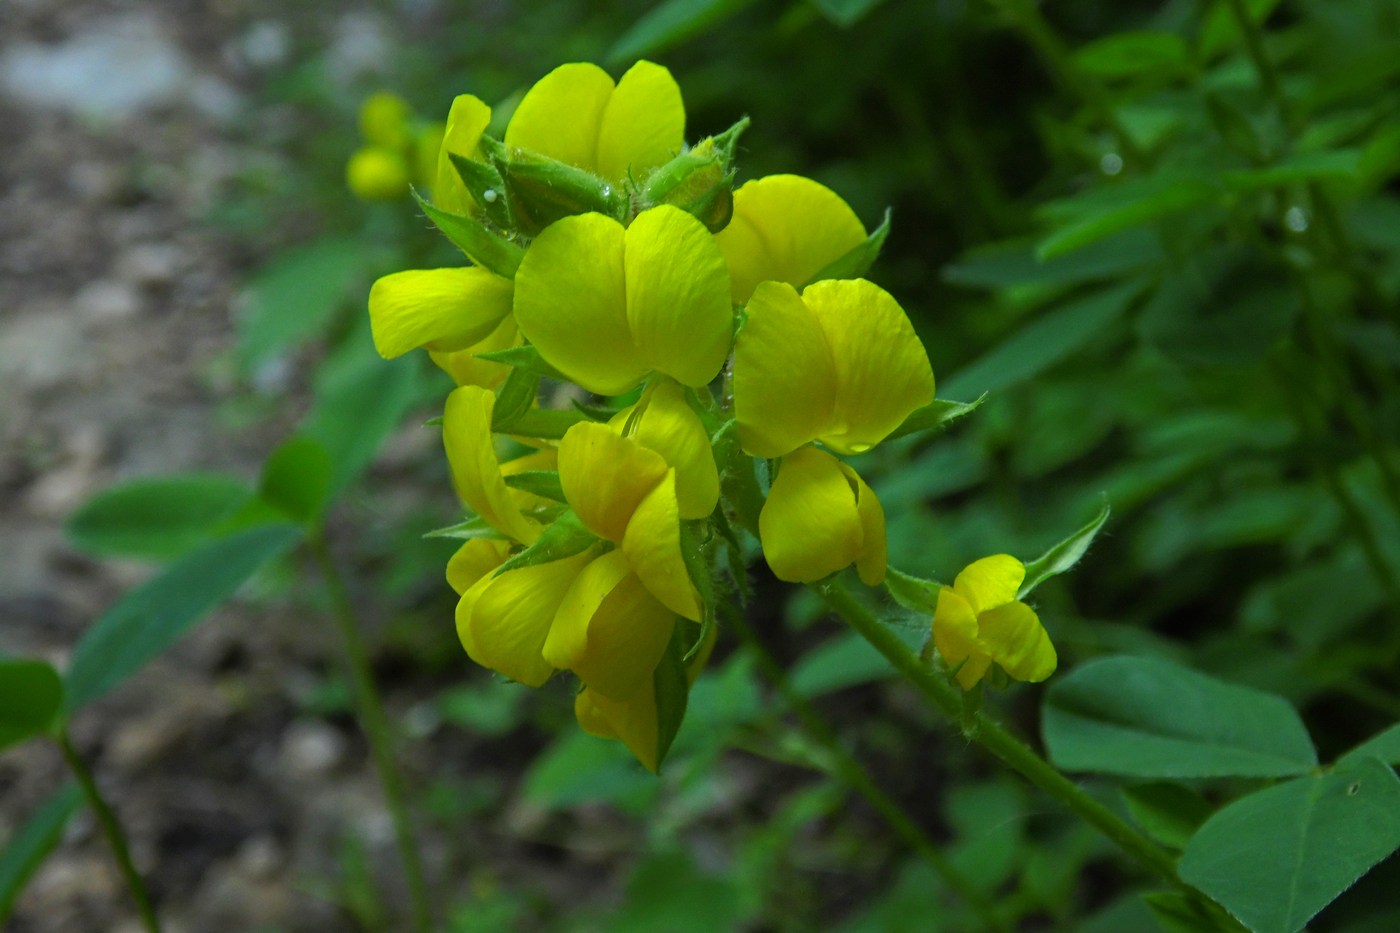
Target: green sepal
[
  {"x": 31, "y": 694},
  {"x": 1064, "y": 555},
  {"x": 516, "y": 397},
  {"x": 484, "y": 247},
  {"x": 913, "y": 593},
  {"x": 486, "y": 187},
  {"x": 698, "y": 182},
  {"x": 672, "y": 688},
  {"x": 543, "y": 423},
  {"x": 543, "y": 483},
  {"x": 542, "y": 190},
  {"x": 474, "y": 527},
  {"x": 435, "y": 421},
  {"x": 737, "y": 477},
  {"x": 858, "y": 260},
  {"x": 698, "y": 566},
  {"x": 564, "y": 537},
  {"x": 936, "y": 415},
  {"x": 525, "y": 357}
]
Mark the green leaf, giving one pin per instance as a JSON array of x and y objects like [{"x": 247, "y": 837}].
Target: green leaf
[
  {"x": 937, "y": 414},
  {"x": 846, "y": 13},
  {"x": 474, "y": 527},
  {"x": 296, "y": 479},
  {"x": 157, "y": 517},
  {"x": 479, "y": 178},
  {"x": 913, "y": 593},
  {"x": 857, "y": 261},
  {"x": 1148, "y": 718},
  {"x": 515, "y": 399},
  {"x": 1062, "y": 556},
  {"x": 1297, "y": 168},
  {"x": 1220, "y": 30},
  {"x": 672, "y": 685},
  {"x": 1129, "y": 204},
  {"x": 543, "y": 483},
  {"x": 563, "y": 537},
  {"x": 294, "y": 297},
  {"x": 151, "y": 617},
  {"x": 481, "y": 246},
  {"x": 30, "y": 696},
  {"x": 668, "y": 24},
  {"x": 525, "y": 357},
  {"x": 844, "y": 661},
  {"x": 1278, "y": 856},
  {"x": 1043, "y": 342},
  {"x": 1131, "y": 54},
  {"x": 1384, "y": 745},
  {"x": 26, "y": 850},
  {"x": 1169, "y": 813},
  {"x": 1014, "y": 262},
  {"x": 1177, "y": 913},
  {"x": 542, "y": 423},
  {"x": 579, "y": 768}
]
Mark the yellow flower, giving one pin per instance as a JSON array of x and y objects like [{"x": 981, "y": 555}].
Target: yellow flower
[
  {"x": 820, "y": 517},
  {"x": 376, "y": 174},
  {"x": 630, "y": 492},
  {"x": 478, "y": 474},
  {"x": 979, "y": 621},
  {"x": 839, "y": 364},
  {"x": 575, "y": 114},
  {"x": 384, "y": 120},
  {"x": 785, "y": 228},
  {"x": 463, "y": 365},
  {"x": 608, "y": 306},
  {"x": 441, "y": 309},
  {"x": 466, "y": 121}
]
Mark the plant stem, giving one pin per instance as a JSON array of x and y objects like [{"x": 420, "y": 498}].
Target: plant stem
[
  {"x": 378, "y": 732},
  {"x": 112, "y": 829},
  {"x": 988, "y": 733},
  {"x": 849, "y": 770}
]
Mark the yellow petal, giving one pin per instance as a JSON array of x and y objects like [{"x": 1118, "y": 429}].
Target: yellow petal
[
  {"x": 571, "y": 303},
  {"x": 443, "y": 309},
  {"x": 560, "y": 116},
  {"x": 664, "y": 422},
  {"x": 785, "y": 228},
  {"x": 955, "y": 636},
  {"x": 882, "y": 369},
  {"x": 784, "y": 377},
  {"x": 606, "y": 476},
  {"x": 609, "y": 630},
  {"x": 466, "y": 121},
  {"x": 474, "y": 560},
  {"x": 476, "y": 472},
  {"x": 466, "y": 370},
  {"x": 503, "y": 621},
  {"x": 634, "y": 721},
  {"x": 990, "y": 582},
  {"x": 874, "y": 555},
  {"x": 653, "y": 548},
  {"x": 810, "y": 526},
  {"x": 1017, "y": 641},
  {"x": 643, "y": 124},
  {"x": 677, "y": 286}
]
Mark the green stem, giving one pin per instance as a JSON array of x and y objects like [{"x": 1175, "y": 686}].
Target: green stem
[
  {"x": 378, "y": 732},
  {"x": 992, "y": 736},
  {"x": 849, "y": 770},
  {"x": 112, "y": 829}
]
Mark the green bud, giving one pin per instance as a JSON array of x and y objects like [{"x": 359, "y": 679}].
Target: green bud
[
  {"x": 700, "y": 180},
  {"x": 540, "y": 190}
]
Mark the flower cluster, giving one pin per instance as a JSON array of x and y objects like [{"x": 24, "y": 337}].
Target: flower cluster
[
  {"x": 731, "y": 340},
  {"x": 398, "y": 150}
]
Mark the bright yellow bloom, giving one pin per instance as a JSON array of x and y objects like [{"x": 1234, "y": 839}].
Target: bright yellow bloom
[
  {"x": 463, "y": 365},
  {"x": 477, "y": 473},
  {"x": 819, "y": 518},
  {"x": 608, "y": 306},
  {"x": 839, "y": 364},
  {"x": 466, "y": 121},
  {"x": 575, "y": 114},
  {"x": 979, "y": 621},
  {"x": 441, "y": 309},
  {"x": 384, "y": 120},
  {"x": 636, "y": 495},
  {"x": 785, "y": 228}
]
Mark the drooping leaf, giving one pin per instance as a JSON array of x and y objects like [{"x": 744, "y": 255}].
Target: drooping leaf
[
  {"x": 1148, "y": 718},
  {"x": 26, "y": 850},
  {"x": 151, "y": 617},
  {"x": 30, "y": 696},
  {"x": 156, "y": 517},
  {"x": 1063, "y": 555},
  {"x": 1278, "y": 856}
]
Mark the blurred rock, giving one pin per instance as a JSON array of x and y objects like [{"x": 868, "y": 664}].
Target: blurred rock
[
  {"x": 310, "y": 749},
  {"x": 107, "y": 300},
  {"x": 150, "y": 263},
  {"x": 41, "y": 349}
]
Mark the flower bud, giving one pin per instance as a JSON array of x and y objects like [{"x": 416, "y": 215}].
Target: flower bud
[{"x": 375, "y": 174}]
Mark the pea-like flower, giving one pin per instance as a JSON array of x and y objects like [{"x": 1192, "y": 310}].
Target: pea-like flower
[
  {"x": 443, "y": 310},
  {"x": 608, "y": 306},
  {"x": 979, "y": 621},
  {"x": 819, "y": 518},
  {"x": 785, "y": 228}
]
